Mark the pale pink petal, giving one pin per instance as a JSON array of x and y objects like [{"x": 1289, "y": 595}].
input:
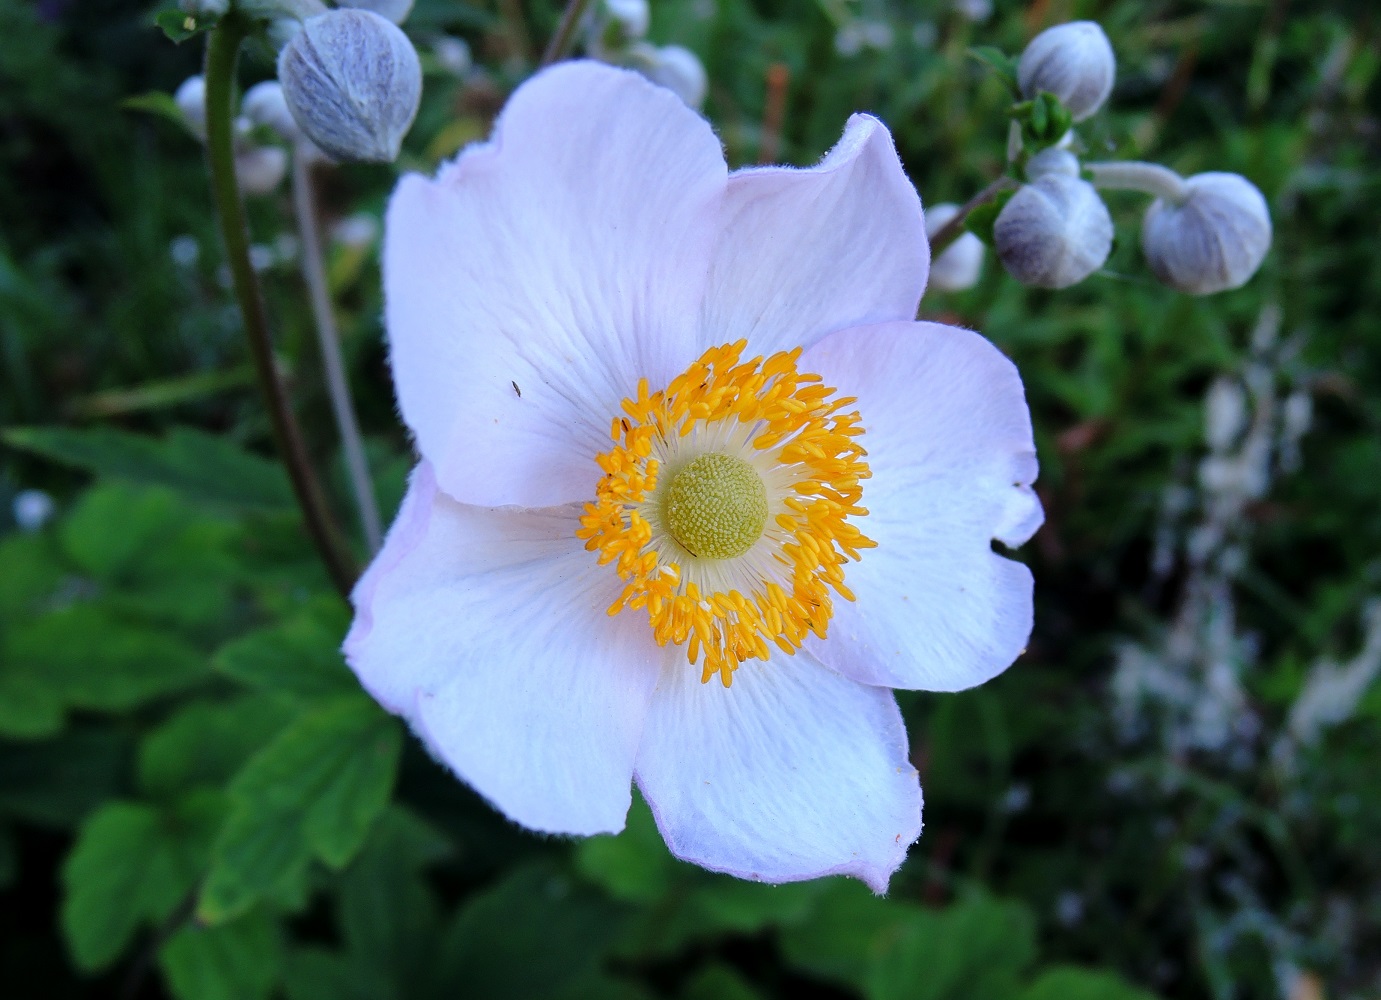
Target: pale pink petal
[
  {"x": 791, "y": 774},
  {"x": 536, "y": 279},
  {"x": 948, "y": 436},
  {"x": 487, "y": 630},
  {"x": 806, "y": 252}
]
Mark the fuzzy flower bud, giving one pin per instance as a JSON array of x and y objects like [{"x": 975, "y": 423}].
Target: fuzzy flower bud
[
  {"x": 1052, "y": 161},
  {"x": 676, "y": 68},
  {"x": 264, "y": 104},
  {"x": 260, "y": 169},
  {"x": 1054, "y": 232},
  {"x": 959, "y": 265},
  {"x": 1212, "y": 240},
  {"x": 190, "y": 98},
  {"x": 396, "y": 11},
  {"x": 1072, "y": 61},
  {"x": 353, "y": 83}
]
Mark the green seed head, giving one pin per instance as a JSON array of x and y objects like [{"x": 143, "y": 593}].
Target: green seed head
[{"x": 716, "y": 506}]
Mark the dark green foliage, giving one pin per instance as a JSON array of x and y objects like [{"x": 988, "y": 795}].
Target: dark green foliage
[{"x": 196, "y": 800}]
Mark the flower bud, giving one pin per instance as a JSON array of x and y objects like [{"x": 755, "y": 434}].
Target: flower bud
[
  {"x": 1054, "y": 232},
  {"x": 264, "y": 104},
  {"x": 190, "y": 98},
  {"x": 32, "y": 509},
  {"x": 353, "y": 83},
  {"x": 631, "y": 16},
  {"x": 960, "y": 264},
  {"x": 1213, "y": 240},
  {"x": 1072, "y": 61},
  {"x": 1052, "y": 161},
  {"x": 453, "y": 55},
  {"x": 260, "y": 169},
  {"x": 1225, "y": 413},
  {"x": 673, "y": 67},
  {"x": 396, "y": 11}
]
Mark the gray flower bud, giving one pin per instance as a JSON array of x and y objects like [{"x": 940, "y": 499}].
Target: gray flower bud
[
  {"x": 1052, "y": 161},
  {"x": 260, "y": 169},
  {"x": 353, "y": 83},
  {"x": 1213, "y": 240},
  {"x": 396, "y": 11},
  {"x": 1054, "y": 232},
  {"x": 264, "y": 104},
  {"x": 676, "y": 68},
  {"x": 190, "y": 98},
  {"x": 959, "y": 265},
  {"x": 1072, "y": 61}
]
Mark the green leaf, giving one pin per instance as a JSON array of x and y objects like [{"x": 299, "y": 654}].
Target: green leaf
[
  {"x": 981, "y": 220},
  {"x": 200, "y": 466},
  {"x": 319, "y": 974},
  {"x": 634, "y": 866},
  {"x": 31, "y": 573},
  {"x": 207, "y": 742},
  {"x": 31, "y": 705},
  {"x": 975, "y": 948},
  {"x": 114, "y": 527},
  {"x": 1069, "y": 982},
  {"x": 389, "y": 917},
  {"x": 1003, "y": 66},
  {"x": 131, "y": 863},
  {"x": 719, "y": 982},
  {"x": 300, "y": 656},
  {"x": 180, "y": 26},
  {"x": 530, "y": 937},
  {"x": 848, "y": 929},
  {"x": 161, "y": 105},
  {"x": 236, "y": 961},
  {"x": 315, "y": 790},
  {"x": 98, "y": 662}
]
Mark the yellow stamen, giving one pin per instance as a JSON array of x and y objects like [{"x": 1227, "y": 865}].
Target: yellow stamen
[{"x": 740, "y": 549}]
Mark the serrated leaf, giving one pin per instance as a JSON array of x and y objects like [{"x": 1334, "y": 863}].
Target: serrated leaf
[
  {"x": 314, "y": 791},
  {"x": 1069, "y": 982},
  {"x": 200, "y": 466},
  {"x": 300, "y": 657},
  {"x": 180, "y": 26},
  {"x": 975, "y": 948},
  {"x": 114, "y": 526},
  {"x": 205, "y": 743},
  {"x": 132, "y": 863},
  {"x": 99, "y": 662},
  {"x": 236, "y": 961}
]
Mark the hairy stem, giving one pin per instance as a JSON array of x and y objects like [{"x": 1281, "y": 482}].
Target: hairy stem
[
  {"x": 954, "y": 228},
  {"x": 222, "y": 53},
  {"x": 564, "y": 39},
  {"x": 1148, "y": 178},
  {"x": 314, "y": 273}
]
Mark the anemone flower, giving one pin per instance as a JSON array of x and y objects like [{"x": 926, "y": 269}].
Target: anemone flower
[{"x": 695, "y": 491}]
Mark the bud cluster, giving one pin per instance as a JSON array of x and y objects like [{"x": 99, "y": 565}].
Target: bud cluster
[
  {"x": 259, "y": 167},
  {"x": 1202, "y": 235},
  {"x": 616, "y": 33}
]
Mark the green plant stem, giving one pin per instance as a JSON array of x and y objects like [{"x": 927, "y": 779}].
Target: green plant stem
[
  {"x": 328, "y": 336},
  {"x": 564, "y": 39},
  {"x": 954, "y": 228},
  {"x": 222, "y": 53}
]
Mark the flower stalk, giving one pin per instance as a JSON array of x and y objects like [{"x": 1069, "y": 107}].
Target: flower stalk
[
  {"x": 954, "y": 228},
  {"x": 222, "y": 53},
  {"x": 1148, "y": 178},
  {"x": 328, "y": 336},
  {"x": 562, "y": 42}
]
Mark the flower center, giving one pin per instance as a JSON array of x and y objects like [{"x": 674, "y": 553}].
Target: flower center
[
  {"x": 716, "y": 506},
  {"x": 739, "y": 546}
]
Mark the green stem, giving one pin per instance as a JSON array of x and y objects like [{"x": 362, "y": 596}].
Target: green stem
[
  {"x": 564, "y": 39},
  {"x": 222, "y": 53}
]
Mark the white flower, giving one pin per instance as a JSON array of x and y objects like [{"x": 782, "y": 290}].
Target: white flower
[{"x": 556, "y": 616}]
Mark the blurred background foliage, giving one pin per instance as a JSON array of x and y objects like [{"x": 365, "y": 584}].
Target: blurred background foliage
[{"x": 1173, "y": 793}]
